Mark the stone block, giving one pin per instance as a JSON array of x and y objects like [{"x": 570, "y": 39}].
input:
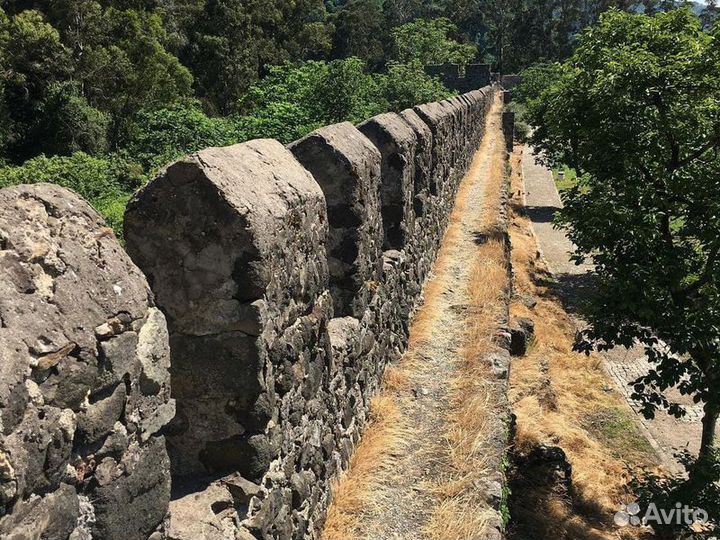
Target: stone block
[
  {"x": 396, "y": 141},
  {"x": 85, "y": 358},
  {"x": 347, "y": 166}
]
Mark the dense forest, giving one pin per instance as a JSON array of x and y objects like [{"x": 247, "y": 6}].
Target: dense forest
[{"x": 98, "y": 94}]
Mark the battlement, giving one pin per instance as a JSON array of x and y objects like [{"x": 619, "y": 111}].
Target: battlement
[
  {"x": 463, "y": 79},
  {"x": 267, "y": 285}
]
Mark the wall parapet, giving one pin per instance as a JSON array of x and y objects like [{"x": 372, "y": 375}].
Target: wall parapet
[
  {"x": 463, "y": 79},
  {"x": 288, "y": 277}
]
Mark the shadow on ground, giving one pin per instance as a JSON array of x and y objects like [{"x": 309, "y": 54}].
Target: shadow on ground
[{"x": 540, "y": 214}]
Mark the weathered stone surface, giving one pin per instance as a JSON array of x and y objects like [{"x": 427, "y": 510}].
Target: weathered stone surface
[
  {"x": 209, "y": 514},
  {"x": 522, "y": 332},
  {"x": 273, "y": 392},
  {"x": 424, "y": 181},
  {"x": 72, "y": 305},
  {"x": 249, "y": 225},
  {"x": 133, "y": 502},
  {"x": 220, "y": 220},
  {"x": 347, "y": 166},
  {"x": 52, "y": 516},
  {"x": 396, "y": 141},
  {"x": 508, "y": 123},
  {"x": 474, "y": 76}
]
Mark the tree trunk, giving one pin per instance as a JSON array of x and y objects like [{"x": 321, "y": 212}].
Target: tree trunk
[{"x": 709, "y": 423}]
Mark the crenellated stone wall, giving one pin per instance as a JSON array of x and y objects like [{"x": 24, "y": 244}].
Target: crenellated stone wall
[
  {"x": 288, "y": 277},
  {"x": 463, "y": 79}
]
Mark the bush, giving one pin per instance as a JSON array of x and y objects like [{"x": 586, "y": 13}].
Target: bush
[
  {"x": 294, "y": 100},
  {"x": 407, "y": 85},
  {"x": 425, "y": 42},
  {"x": 160, "y": 136},
  {"x": 69, "y": 124},
  {"x": 107, "y": 183}
]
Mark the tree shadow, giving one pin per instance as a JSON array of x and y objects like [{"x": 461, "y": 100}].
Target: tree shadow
[
  {"x": 575, "y": 291},
  {"x": 541, "y": 214}
]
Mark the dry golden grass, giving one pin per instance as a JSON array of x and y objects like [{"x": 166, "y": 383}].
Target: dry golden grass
[
  {"x": 383, "y": 440},
  {"x": 554, "y": 391},
  {"x": 463, "y": 512}
]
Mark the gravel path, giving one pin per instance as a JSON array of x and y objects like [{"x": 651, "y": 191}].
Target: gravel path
[
  {"x": 668, "y": 435},
  {"x": 407, "y": 501}
]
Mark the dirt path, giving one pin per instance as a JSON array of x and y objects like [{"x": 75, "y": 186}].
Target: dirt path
[
  {"x": 391, "y": 489},
  {"x": 668, "y": 435}
]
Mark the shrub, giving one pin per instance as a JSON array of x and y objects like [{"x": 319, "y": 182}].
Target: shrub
[
  {"x": 106, "y": 183},
  {"x": 160, "y": 136}
]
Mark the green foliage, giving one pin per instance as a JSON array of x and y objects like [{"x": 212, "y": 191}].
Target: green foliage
[
  {"x": 67, "y": 123},
  {"x": 428, "y": 42},
  {"x": 33, "y": 60},
  {"x": 159, "y": 136},
  {"x": 636, "y": 112},
  {"x": 73, "y": 86},
  {"x": 407, "y": 85},
  {"x": 125, "y": 68},
  {"x": 348, "y": 92},
  {"x": 106, "y": 183},
  {"x": 361, "y": 32},
  {"x": 234, "y": 40},
  {"x": 294, "y": 100},
  {"x": 535, "y": 80},
  {"x": 527, "y": 96},
  {"x": 152, "y": 80}
]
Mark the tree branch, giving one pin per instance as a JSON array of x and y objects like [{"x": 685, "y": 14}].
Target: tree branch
[
  {"x": 706, "y": 276},
  {"x": 709, "y": 145}
]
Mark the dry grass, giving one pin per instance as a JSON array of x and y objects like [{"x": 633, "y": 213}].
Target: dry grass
[
  {"x": 565, "y": 399},
  {"x": 463, "y": 511},
  {"x": 383, "y": 441}
]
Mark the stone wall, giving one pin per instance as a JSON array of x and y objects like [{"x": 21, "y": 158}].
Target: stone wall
[
  {"x": 84, "y": 382},
  {"x": 463, "y": 79},
  {"x": 288, "y": 277}
]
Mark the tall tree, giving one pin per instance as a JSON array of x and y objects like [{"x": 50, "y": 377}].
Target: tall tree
[
  {"x": 230, "y": 45},
  {"x": 710, "y": 14},
  {"x": 429, "y": 42},
  {"x": 34, "y": 59},
  {"x": 361, "y": 32},
  {"x": 637, "y": 113}
]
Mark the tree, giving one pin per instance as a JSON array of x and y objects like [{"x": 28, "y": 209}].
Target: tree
[
  {"x": 231, "y": 44},
  {"x": 636, "y": 111},
  {"x": 710, "y": 14},
  {"x": 428, "y": 42},
  {"x": 499, "y": 17},
  {"x": 124, "y": 67},
  {"x": 406, "y": 85},
  {"x": 399, "y": 12},
  {"x": 159, "y": 136},
  {"x": 361, "y": 32},
  {"x": 294, "y": 100},
  {"x": 67, "y": 123},
  {"x": 107, "y": 183},
  {"x": 33, "y": 59}
]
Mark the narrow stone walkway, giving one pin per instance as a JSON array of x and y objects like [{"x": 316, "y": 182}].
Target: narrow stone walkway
[
  {"x": 403, "y": 499},
  {"x": 543, "y": 200},
  {"x": 668, "y": 435}
]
